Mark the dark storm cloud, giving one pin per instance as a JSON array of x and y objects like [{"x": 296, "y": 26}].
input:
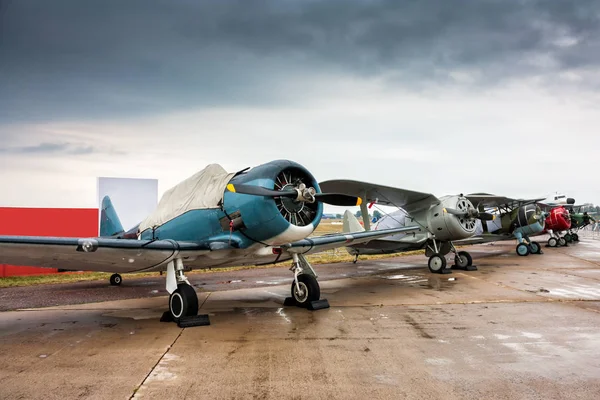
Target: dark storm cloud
[{"x": 73, "y": 59}]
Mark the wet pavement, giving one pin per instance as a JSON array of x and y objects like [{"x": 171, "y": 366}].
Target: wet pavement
[{"x": 518, "y": 328}]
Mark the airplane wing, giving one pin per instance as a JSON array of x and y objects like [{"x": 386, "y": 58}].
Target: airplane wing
[
  {"x": 94, "y": 254},
  {"x": 483, "y": 238},
  {"x": 327, "y": 242},
  {"x": 129, "y": 255},
  {"x": 490, "y": 200},
  {"x": 408, "y": 200}
]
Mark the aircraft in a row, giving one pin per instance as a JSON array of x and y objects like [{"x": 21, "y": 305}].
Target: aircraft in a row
[
  {"x": 256, "y": 216},
  {"x": 445, "y": 221}
]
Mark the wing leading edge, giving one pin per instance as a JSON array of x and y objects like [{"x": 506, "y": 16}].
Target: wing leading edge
[
  {"x": 128, "y": 255},
  {"x": 322, "y": 243},
  {"x": 490, "y": 200},
  {"x": 408, "y": 200},
  {"x": 93, "y": 254}
]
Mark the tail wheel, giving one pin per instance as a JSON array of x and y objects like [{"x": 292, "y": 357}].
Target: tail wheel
[
  {"x": 568, "y": 238},
  {"x": 436, "y": 263},
  {"x": 463, "y": 259},
  {"x": 552, "y": 242},
  {"x": 523, "y": 249},
  {"x": 183, "y": 302},
  {"x": 115, "y": 279},
  {"x": 575, "y": 237},
  {"x": 562, "y": 241},
  {"x": 535, "y": 248},
  {"x": 307, "y": 290}
]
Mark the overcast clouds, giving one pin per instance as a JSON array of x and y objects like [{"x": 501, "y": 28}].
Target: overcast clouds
[{"x": 440, "y": 96}]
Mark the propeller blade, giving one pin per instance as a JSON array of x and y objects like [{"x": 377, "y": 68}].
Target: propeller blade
[
  {"x": 484, "y": 216},
  {"x": 338, "y": 199},
  {"x": 260, "y": 191},
  {"x": 335, "y": 199},
  {"x": 454, "y": 211}
]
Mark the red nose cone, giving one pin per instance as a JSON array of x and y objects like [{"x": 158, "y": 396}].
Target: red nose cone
[{"x": 558, "y": 220}]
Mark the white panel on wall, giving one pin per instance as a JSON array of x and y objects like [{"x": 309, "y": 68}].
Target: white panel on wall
[{"x": 133, "y": 199}]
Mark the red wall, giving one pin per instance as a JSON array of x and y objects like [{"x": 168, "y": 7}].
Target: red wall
[{"x": 60, "y": 222}]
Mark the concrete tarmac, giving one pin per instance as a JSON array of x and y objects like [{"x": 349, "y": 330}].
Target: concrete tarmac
[{"x": 518, "y": 328}]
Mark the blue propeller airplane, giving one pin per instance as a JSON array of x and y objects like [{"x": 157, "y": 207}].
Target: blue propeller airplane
[{"x": 256, "y": 216}]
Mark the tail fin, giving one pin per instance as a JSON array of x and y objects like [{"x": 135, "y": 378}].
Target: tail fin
[
  {"x": 110, "y": 224},
  {"x": 351, "y": 224}
]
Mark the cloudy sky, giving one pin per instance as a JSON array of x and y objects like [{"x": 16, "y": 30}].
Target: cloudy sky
[{"x": 431, "y": 95}]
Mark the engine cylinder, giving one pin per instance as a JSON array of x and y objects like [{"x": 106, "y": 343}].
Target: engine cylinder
[{"x": 446, "y": 226}]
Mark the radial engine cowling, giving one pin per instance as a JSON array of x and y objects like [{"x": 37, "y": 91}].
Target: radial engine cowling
[
  {"x": 276, "y": 220},
  {"x": 558, "y": 220},
  {"x": 446, "y": 226}
]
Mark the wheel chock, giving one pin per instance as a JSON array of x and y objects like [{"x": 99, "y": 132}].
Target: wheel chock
[
  {"x": 194, "y": 320},
  {"x": 318, "y": 305},
  {"x": 313, "y": 305},
  {"x": 187, "y": 322},
  {"x": 289, "y": 301},
  {"x": 467, "y": 268},
  {"x": 166, "y": 317}
]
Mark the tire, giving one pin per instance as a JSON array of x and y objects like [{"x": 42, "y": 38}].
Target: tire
[
  {"x": 535, "y": 248},
  {"x": 568, "y": 238},
  {"x": 552, "y": 242},
  {"x": 465, "y": 259},
  {"x": 310, "y": 290},
  {"x": 436, "y": 263},
  {"x": 575, "y": 237},
  {"x": 523, "y": 250},
  {"x": 183, "y": 302},
  {"x": 115, "y": 279},
  {"x": 562, "y": 241}
]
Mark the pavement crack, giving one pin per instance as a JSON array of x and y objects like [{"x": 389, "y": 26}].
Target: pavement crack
[
  {"x": 136, "y": 390},
  {"x": 206, "y": 298}
]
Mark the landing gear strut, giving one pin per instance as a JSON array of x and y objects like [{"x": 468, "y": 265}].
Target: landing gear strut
[
  {"x": 437, "y": 262},
  {"x": 115, "y": 279},
  {"x": 305, "y": 289},
  {"x": 463, "y": 260},
  {"x": 183, "y": 301}
]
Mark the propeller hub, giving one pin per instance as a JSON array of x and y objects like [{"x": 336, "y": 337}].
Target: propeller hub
[{"x": 306, "y": 194}]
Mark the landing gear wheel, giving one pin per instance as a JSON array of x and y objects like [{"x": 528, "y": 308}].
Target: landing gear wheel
[
  {"x": 575, "y": 237},
  {"x": 568, "y": 238},
  {"x": 562, "y": 241},
  {"x": 535, "y": 248},
  {"x": 523, "y": 249},
  {"x": 309, "y": 290},
  {"x": 552, "y": 242},
  {"x": 183, "y": 302},
  {"x": 115, "y": 279},
  {"x": 437, "y": 263},
  {"x": 463, "y": 259}
]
